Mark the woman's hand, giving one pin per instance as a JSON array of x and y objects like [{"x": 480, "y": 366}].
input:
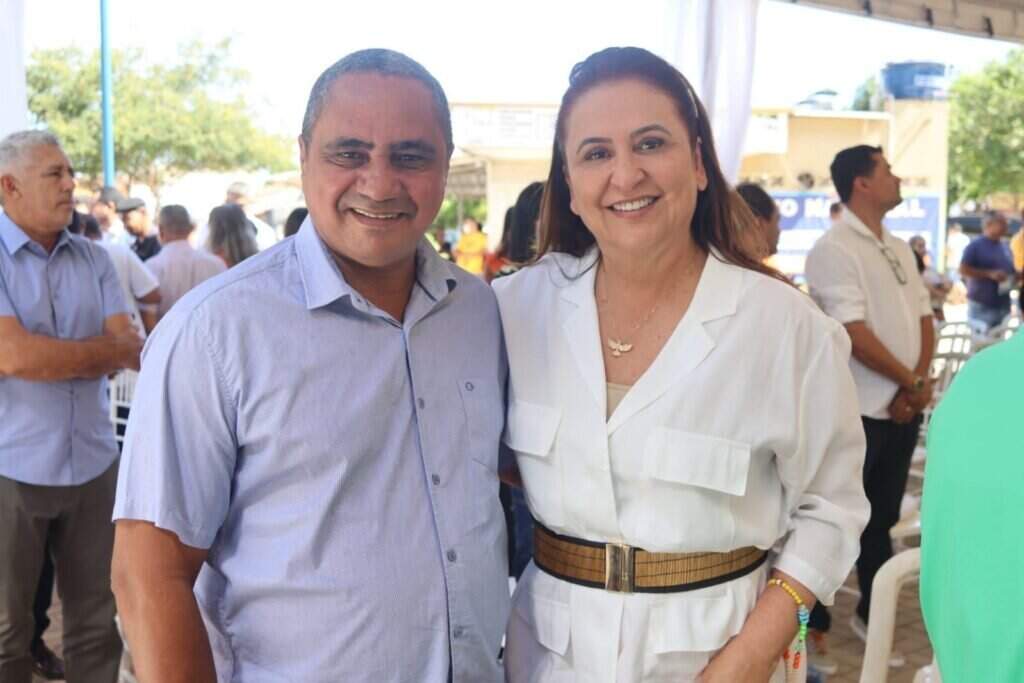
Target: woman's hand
[
  {"x": 756, "y": 651},
  {"x": 737, "y": 664}
]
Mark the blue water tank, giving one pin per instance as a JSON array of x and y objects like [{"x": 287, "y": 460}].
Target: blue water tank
[{"x": 917, "y": 80}]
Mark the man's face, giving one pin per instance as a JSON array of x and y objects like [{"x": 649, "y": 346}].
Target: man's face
[
  {"x": 39, "y": 194},
  {"x": 103, "y": 211},
  {"x": 882, "y": 186},
  {"x": 996, "y": 227},
  {"x": 374, "y": 171},
  {"x": 136, "y": 222}
]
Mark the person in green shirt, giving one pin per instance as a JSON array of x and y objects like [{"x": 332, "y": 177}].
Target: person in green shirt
[{"x": 971, "y": 558}]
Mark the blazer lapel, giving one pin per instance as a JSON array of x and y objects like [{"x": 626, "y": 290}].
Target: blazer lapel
[
  {"x": 578, "y": 311},
  {"x": 690, "y": 344}
]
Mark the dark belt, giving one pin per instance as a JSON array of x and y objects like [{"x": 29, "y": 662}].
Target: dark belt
[{"x": 625, "y": 569}]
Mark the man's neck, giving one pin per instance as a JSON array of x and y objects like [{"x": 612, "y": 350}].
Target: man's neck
[
  {"x": 869, "y": 214},
  {"x": 45, "y": 238},
  {"x": 387, "y": 288}
]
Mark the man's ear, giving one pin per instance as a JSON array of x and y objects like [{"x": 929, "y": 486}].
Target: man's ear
[
  {"x": 302, "y": 152},
  {"x": 8, "y": 185}
]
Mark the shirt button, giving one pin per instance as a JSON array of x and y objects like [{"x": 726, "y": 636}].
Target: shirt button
[
  {"x": 458, "y": 632},
  {"x": 436, "y": 479},
  {"x": 469, "y": 386},
  {"x": 421, "y": 403},
  {"x": 452, "y": 556}
]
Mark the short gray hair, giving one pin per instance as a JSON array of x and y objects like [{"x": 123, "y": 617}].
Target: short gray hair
[
  {"x": 379, "y": 61},
  {"x": 14, "y": 147},
  {"x": 174, "y": 219}
]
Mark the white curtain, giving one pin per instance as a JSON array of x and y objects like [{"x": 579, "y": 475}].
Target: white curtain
[
  {"x": 13, "y": 97},
  {"x": 713, "y": 45}
]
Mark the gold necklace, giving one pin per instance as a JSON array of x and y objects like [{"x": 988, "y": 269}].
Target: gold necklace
[{"x": 620, "y": 346}]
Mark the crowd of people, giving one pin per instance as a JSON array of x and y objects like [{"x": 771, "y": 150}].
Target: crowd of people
[{"x": 693, "y": 453}]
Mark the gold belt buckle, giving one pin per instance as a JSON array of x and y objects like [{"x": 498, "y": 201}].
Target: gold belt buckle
[{"x": 618, "y": 567}]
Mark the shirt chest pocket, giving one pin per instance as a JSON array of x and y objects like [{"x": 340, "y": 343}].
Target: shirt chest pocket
[
  {"x": 694, "y": 480},
  {"x": 484, "y": 411}
]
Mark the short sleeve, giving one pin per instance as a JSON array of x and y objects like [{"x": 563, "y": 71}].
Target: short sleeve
[
  {"x": 142, "y": 280},
  {"x": 970, "y": 255},
  {"x": 822, "y": 473},
  {"x": 835, "y": 283},
  {"x": 110, "y": 286},
  {"x": 180, "y": 448}
]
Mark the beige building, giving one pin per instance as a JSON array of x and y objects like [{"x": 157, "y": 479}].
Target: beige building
[{"x": 501, "y": 148}]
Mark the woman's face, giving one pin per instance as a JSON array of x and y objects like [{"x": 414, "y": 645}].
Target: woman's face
[{"x": 633, "y": 176}]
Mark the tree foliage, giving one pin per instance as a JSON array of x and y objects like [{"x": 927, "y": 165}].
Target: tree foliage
[
  {"x": 986, "y": 133},
  {"x": 868, "y": 96},
  {"x": 168, "y": 118}
]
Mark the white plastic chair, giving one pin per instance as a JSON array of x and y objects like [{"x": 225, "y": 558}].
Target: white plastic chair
[
  {"x": 928, "y": 674},
  {"x": 954, "y": 338},
  {"x": 885, "y": 591}
]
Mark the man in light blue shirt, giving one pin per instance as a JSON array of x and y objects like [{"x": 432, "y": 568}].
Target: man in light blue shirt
[
  {"x": 63, "y": 328},
  {"x": 314, "y": 438}
]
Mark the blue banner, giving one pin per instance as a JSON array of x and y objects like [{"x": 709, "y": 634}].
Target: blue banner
[{"x": 804, "y": 218}]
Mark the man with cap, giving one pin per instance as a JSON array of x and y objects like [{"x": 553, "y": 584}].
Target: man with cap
[
  {"x": 105, "y": 211},
  {"x": 136, "y": 221}
]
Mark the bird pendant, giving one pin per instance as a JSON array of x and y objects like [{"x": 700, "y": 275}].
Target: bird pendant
[{"x": 618, "y": 348}]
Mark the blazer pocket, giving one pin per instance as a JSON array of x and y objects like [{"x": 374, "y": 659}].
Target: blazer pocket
[
  {"x": 531, "y": 428},
  {"x": 694, "y": 624},
  {"x": 708, "y": 462},
  {"x": 548, "y": 619}
]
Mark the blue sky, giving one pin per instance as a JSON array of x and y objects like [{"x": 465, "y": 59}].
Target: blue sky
[{"x": 488, "y": 51}]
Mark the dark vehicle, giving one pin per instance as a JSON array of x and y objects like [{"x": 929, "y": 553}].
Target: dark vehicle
[{"x": 971, "y": 224}]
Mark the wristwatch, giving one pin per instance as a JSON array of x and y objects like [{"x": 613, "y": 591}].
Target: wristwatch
[{"x": 918, "y": 384}]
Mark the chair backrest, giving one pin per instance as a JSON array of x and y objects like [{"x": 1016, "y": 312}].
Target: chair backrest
[
  {"x": 954, "y": 338},
  {"x": 885, "y": 590}
]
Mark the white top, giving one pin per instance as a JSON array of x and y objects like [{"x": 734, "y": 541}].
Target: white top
[
  {"x": 136, "y": 279},
  {"x": 850, "y": 277},
  {"x": 116, "y": 233},
  {"x": 179, "y": 268},
  {"x": 743, "y": 431}
]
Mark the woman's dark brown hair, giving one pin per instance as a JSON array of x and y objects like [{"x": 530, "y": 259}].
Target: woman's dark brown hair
[{"x": 721, "y": 218}]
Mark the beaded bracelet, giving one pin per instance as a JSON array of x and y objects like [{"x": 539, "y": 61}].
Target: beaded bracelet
[{"x": 803, "y": 615}]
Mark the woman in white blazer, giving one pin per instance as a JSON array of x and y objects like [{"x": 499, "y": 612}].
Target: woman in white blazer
[{"x": 684, "y": 421}]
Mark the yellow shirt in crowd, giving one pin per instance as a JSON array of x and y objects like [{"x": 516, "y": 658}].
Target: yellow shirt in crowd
[
  {"x": 470, "y": 252},
  {"x": 1017, "y": 247}
]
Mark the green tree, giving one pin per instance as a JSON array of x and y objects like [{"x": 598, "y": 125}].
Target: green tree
[
  {"x": 168, "y": 118},
  {"x": 986, "y": 131},
  {"x": 448, "y": 215},
  {"x": 868, "y": 96}
]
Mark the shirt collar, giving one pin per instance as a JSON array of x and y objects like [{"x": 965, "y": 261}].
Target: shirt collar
[
  {"x": 324, "y": 283},
  {"x": 15, "y": 238},
  {"x": 852, "y": 221}
]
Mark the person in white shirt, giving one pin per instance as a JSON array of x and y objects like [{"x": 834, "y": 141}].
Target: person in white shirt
[
  {"x": 105, "y": 210},
  {"x": 683, "y": 419},
  {"x": 867, "y": 279},
  {"x": 139, "y": 286},
  {"x": 178, "y": 266}
]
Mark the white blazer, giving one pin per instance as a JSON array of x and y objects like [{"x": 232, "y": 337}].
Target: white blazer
[{"x": 744, "y": 431}]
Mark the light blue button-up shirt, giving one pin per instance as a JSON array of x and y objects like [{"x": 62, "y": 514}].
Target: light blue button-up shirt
[
  {"x": 56, "y": 433},
  {"x": 339, "y": 465}
]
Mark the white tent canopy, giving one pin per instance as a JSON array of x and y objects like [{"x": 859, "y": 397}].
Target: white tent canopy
[
  {"x": 13, "y": 96},
  {"x": 1000, "y": 19}
]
